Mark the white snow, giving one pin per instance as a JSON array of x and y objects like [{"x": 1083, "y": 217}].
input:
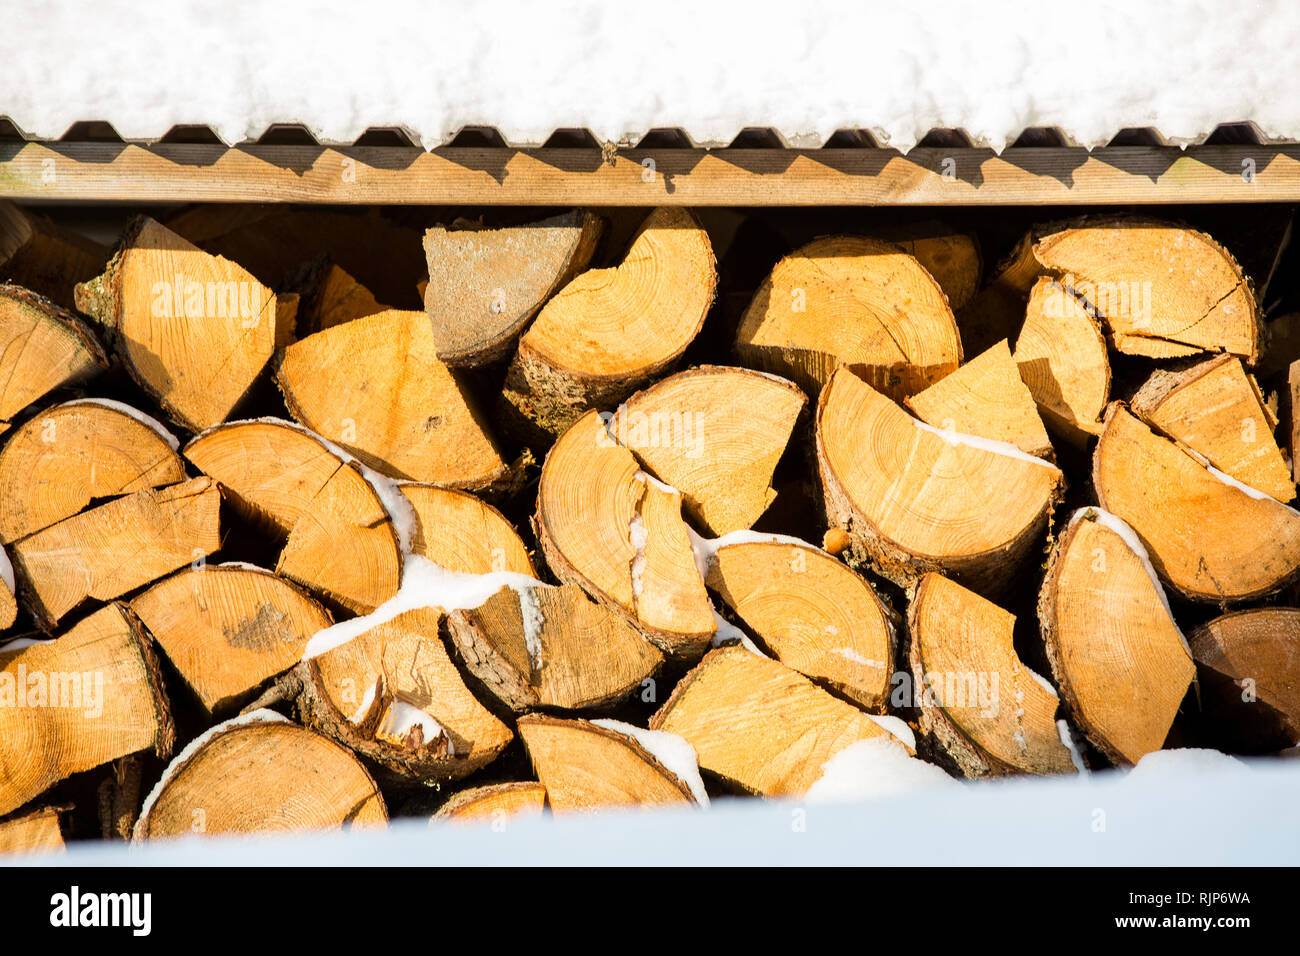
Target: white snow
[
  {"x": 132, "y": 412},
  {"x": 1230, "y": 481},
  {"x": 21, "y": 643},
  {"x": 898, "y": 728},
  {"x": 726, "y": 631},
  {"x": 244, "y": 566},
  {"x": 992, "y": 68},
  {"x": 673, "y": 752},
  {"x": 646, "y": 478},
  {"x": 534, "y": 621},
  {"x": 1180, "y": 762},
  {"x": 402, "y": 717},
  {"x": 7, "y": 570},
  {"x": 706, "y": 549},
  {"x": 871, "y": 769},
  {"x": 1247, "y": 489},
  {"x": 424, "y": 584},
  {"x": 850, "y": 654},
  {"x": 260, "y": 716},
  {"x": 1122, "y": 528},
  {"x": 1043, "y": 682},
  {"x": 367, "y": 699},
  {"x": 638, "y": 537},
  {"x": 1067, "y": 737},
  {"x": 955, "y": 438}
]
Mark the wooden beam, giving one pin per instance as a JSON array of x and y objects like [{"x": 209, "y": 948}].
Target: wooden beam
[{"x": 175, "y": 172}]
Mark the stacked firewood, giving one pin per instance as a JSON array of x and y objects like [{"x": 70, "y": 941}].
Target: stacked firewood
[{"x": 637, "y": 507}]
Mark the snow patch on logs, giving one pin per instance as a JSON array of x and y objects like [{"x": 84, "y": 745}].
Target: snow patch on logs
[
  {"x": 639, "y": 538},
  {"x": 19, "y": 643},
  {"x": 1230, "y": 481},
  {"x": 7, "y": 570},
  {"x": 1072, "y": 745},
  {"x": 424, "y": 584},
  {"x": 260, "y": 716},
  {"x": 1043, "y": 682},
  {"x": 245, "y": 566},
  {"x": 897, "y": 727},
  {"x": 1122, "y": 528},
  {"x": 367, "y": 700},
  {"x": 1245, "y": 488},
  {"x": 849, "y": 653},
  {"x": 706, "y": 549},
  {"x": 132, "y": 412},
  {"x": 874, "y": 768},
  {"x": 677, "y": 756},
  {"x": 726, "y": 631},
  {"x": 534, "y": 621},
  {"x": 404, "y": 717},
  {"x": 955, "y": 438}
]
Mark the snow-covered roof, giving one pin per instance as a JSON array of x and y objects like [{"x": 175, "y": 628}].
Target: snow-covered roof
[{"x": 434, "y": 67}]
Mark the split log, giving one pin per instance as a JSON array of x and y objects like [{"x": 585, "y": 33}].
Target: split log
[
  {"x": 228, "y": 628},
  {"x": 260, "y": 774},
  {"x": 1216, "y": 409},
  {"x": 42, "y": 347},
  {"x": 1209, "y": 536},
  {"x": 1161, "y": 290},
  {"x": 988, "y": 712},
  {"x": 812, "y": 613},
  {"x": 57, "y": 463},
  {"x": 486, "y": 285},
  {"x": 390, "y": 692},
  {"x": 35, "y": 832},
  {"x": 856, "y": 302},
  {"x": 37, "y": 254},
  {"x": 462, "y": 533},
  {"x": 1249, "y": 678},
  {"x": 376, "y": 387},
  {"x": 715, "y": 434},
  {"x": 915, "y": 499},
  {"x": 194, "y": 330},
  {"x": 612, "y": 530},
  {"x": 117, "y": 547},
  {"x": 586, "y": 766},
  {"x": 73, "y": 704},
  {"x": 273, "y": 240},
  {"x": 330, "y": 297},
  {"x": 986, "y": 398},
  {"x": 760, "y": 725},
  {"x": 552, "y": 647},
  {"x": 953, "y": 258},
  {"x": 340, "y": 539},
  {"x": 494, "y": 802},
  {"x": 609, "y": 331},
  {"x": 1063, "y": 361},
  {"x": 272, "y": 470},
  {"x": 1117, "y": 655}
]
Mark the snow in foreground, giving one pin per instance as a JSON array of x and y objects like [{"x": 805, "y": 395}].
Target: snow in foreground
[{"x": 1177, "y": 808}]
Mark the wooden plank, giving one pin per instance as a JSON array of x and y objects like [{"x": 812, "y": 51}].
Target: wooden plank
[{"x": 117, "y": 172}]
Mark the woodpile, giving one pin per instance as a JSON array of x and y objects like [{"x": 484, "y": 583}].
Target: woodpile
[{"x": 311, "y": 520}]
